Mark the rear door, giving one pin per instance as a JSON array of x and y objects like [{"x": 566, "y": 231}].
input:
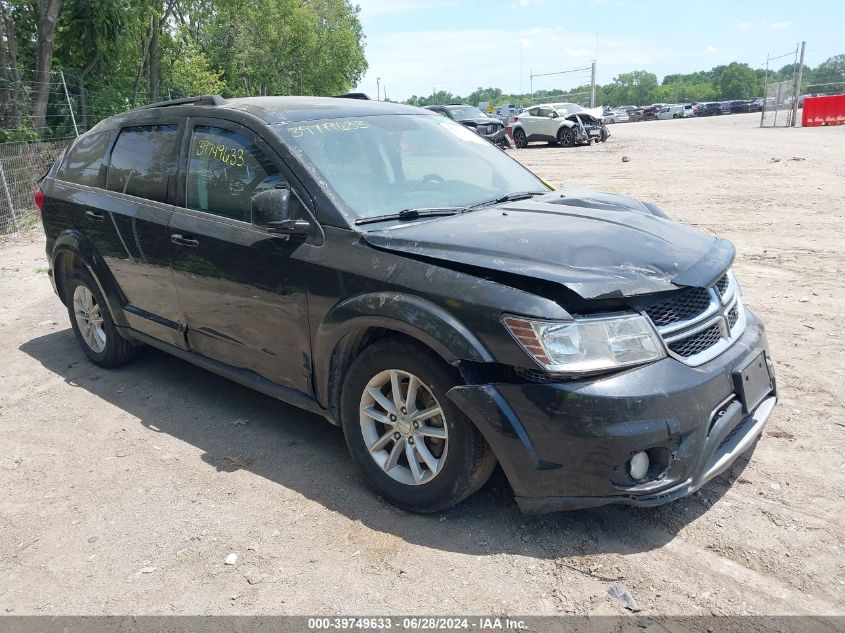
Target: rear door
[
  {"x": 242, "y": 291},
  {"x": 141, "y": 180},
  {"x": 529, "y": 121},
  {"x": 548, "y": 122}
]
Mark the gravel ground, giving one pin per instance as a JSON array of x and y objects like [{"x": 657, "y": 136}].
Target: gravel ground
[{"x": 125, "y": 491}]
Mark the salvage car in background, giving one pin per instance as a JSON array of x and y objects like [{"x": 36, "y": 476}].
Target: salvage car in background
[
  {"x": 615, "y": 116},
  {"x": 390, "y": 270},
  {"x": 473, "y": 118},
  {"x": 565, "y": 124},
  {"x": 709, "y": 109}
]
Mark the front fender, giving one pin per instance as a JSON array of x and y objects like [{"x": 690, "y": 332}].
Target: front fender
[
  {"x": 74, "y": 242},
  {"x": 409, "y": 314}
]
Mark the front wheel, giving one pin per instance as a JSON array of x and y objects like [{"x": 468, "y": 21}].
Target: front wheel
[
  {"x": 519, "y": 139},
  {"x": 415, "y": 447},
  {"x": 566, "y": 137}
]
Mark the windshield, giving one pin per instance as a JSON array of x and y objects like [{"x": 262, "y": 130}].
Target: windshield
[
  {"x": 466, "y": 112},
  {"x": 379, "y": 165}
]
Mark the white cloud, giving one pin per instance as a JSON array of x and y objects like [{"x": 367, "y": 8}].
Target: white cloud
[
  {"x": 783, "y": 24},
  {"x": 711, "y": 49},
  {"x": 743, "y": 26}
]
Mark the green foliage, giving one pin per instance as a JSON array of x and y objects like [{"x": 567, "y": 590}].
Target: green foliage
[
  {"x": 119, "y": 53},
  {"x": 738, "y": 81},
  {"x": 191, "y": 74},
  {"x": 831, "y": 70}
]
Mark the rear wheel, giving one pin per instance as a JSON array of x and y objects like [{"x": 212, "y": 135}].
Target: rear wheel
[
  {"x": 92, "y": 323},
  {"x": 415, "y": 447},
  {"x": 566, "y": 137},
  {"x": 519, "y": 138}
]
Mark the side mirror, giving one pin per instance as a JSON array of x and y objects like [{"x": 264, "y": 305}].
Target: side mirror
[{"x": 270, "y": 211}]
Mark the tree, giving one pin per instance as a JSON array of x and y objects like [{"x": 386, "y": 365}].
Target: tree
[
  {"x": 636, "y": 87},
  {"x": 832, "y": 70},
  {"x": 738, "y": 81},
  {"x": 86, "y": 35},
  {"x": 9, "y": 73},
  {"x": 48, "y": 13}
]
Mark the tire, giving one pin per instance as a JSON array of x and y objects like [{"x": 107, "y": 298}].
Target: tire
[
  {"x": 519, "y": 138},
  {"x": 604, "y": 135},
  {"x": 566, "y": 137},
  {"x": 92, "y": 324},
  {"x": 463, "y": 459}
]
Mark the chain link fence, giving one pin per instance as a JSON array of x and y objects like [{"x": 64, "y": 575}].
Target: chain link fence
[
  {"x": 777, "y": 104},
  {"x": 21, "y": 166}
]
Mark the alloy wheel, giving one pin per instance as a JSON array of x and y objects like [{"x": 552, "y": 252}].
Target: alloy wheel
[
  {"x": 404, "y": 427},
  {"x": 89, "y": 319}
]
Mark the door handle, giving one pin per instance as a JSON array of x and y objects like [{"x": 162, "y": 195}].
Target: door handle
[
  {"x": 184, "y": 241},
  {"x": 94, "y": 216}
]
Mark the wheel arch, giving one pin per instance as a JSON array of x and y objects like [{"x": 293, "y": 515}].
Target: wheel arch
[
  {"x": 72, "y": 251},
  {"x": 358, "y": 322}
]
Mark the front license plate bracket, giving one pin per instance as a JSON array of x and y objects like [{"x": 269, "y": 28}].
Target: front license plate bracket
[{"x": 752, "y": 381}]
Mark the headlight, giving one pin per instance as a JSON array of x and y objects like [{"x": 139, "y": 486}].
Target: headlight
[{"x": 587, "y": 345}]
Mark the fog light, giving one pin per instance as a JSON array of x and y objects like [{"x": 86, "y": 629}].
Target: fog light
[{"x": 638, "y": 466}]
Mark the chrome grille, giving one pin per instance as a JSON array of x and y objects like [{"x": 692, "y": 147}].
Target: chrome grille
[
  {"x": 681, "y": 307},
  {"x": 698, "y": 324},
  {"x": 733, "y": 317},
  {"x": 722, "y": 284},
  {"x": 697, "y": 343}
]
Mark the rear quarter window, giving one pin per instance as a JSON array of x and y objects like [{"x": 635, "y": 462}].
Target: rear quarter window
[
  {"x": 143, "y": 161},
  {"x": 84, "y": 162}
]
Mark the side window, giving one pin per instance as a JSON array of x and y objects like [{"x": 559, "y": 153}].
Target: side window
[
  {"x": 225, "y": 170},
  {"x": 143, "y": 161},
  {"x": 85, "y": 159},
  {"x": 533, "y": 111}
]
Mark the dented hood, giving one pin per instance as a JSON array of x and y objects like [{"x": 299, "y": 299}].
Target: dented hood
[{"x": 597, "y": 245}]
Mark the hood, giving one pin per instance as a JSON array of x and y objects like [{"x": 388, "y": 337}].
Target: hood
[
  {"x": 597, "y": 245},
  {"x": 481, "y": 121}
]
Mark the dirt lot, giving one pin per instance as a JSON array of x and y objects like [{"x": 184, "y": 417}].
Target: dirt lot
[{"x": 125, "y": 491}]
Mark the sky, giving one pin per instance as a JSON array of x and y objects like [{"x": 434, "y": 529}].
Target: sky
[{"x": 416, "y": 46}]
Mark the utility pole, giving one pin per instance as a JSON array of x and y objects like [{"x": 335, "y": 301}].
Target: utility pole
[
  {"x": 378, "y": 88},
  {"x": 70, "y": 105},
  {"x": 532, "y": 85},
  {"x": 593, "y": 86},
  {"x": 797, "y": 91}
]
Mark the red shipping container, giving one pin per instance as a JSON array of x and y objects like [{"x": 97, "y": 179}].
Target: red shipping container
[{"x": 823, "y": 111}]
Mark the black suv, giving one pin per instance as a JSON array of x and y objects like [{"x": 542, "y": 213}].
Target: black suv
[
  {"x": 473, "y": 118},
  {"x": 392, "y": 271}
]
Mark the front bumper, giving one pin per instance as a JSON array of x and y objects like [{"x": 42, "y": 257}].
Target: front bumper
[
  {"x": 496, "y": 137},
  {"x": 566, "y": 445}
]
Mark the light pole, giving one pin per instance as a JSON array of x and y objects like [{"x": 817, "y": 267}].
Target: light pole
[{"x": 378, "y": 88}]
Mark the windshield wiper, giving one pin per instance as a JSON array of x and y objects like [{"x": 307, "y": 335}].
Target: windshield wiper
[
  {"x": 513, "y": 196},
  {"x": 407, "y": 214}
]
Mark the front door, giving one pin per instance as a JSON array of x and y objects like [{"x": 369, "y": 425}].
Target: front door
[{"x": 241, "y": 290}]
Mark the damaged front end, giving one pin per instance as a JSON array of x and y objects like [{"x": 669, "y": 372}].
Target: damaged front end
[{"x": 676, "y": 385}]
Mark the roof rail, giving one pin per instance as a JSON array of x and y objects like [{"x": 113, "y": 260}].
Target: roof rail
[
  {"x": 215, "y": 100},
  {"x": 353, "y": 95}
]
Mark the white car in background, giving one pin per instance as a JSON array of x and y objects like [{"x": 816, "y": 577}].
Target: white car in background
[
  {"x": 616, "y": 116},
  {"x": 675, "y": 111},
  {"x": 565, "y": 124}
]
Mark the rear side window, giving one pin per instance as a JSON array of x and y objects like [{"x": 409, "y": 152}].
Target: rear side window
[
  {"x": 225, "y": 170},
  {"x": 84, "y": 161},
  {"x": 143, "y": 161}
]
